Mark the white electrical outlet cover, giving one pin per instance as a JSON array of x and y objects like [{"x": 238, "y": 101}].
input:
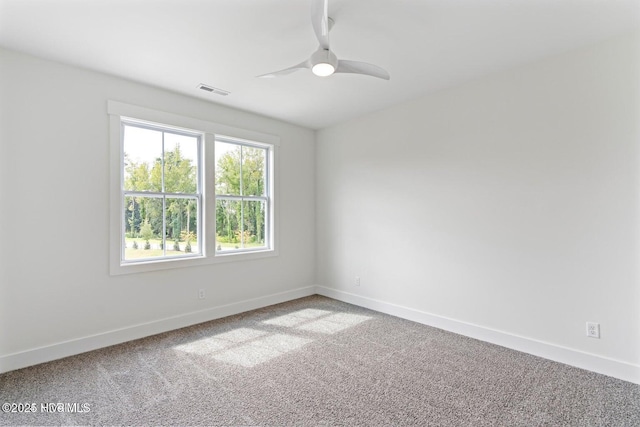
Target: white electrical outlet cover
[{"x": 593, "y": 329}]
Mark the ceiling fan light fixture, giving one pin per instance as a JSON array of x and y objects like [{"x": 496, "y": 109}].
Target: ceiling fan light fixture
[
  {"x": 323, "y": 69},
  {"x": 323, "y": 62}
]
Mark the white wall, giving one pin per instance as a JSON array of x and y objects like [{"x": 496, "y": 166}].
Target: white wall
[
  {"x": 54, "y": 224},
  {"x": 510, "y": 203}
]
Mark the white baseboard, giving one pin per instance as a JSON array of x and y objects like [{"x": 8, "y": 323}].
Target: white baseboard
[
  {"x": 48, "y": 353},
  {"x": 591, "y": 362}
]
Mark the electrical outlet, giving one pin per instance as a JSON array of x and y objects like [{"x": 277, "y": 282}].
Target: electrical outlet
[
  {"x": 357, "y": 281},
  {"x": 201, "y": 294},
  {"x": 593, "y": 330}
]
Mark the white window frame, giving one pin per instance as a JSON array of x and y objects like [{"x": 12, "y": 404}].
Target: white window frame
[
  {"x": 267, "y": 198},
  {"x": 126, "y": 121},
  {"x": 119, "y": 111}
]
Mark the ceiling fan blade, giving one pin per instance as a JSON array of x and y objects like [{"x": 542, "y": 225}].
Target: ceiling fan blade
[
  {"x": 356, "y": 67},
  {"x": 320, "y": 21},
  {"x": 300, "y": 66}
]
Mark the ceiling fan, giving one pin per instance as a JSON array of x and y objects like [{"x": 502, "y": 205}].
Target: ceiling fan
[{"x": 323, "y": 62}]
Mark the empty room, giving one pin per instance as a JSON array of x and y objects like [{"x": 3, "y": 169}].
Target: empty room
[{"x": 320, "y": 212}]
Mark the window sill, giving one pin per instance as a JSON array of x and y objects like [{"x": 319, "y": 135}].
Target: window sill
[
  {"x": 244, "y": 256},
  {"x": 118, "y": 269}
]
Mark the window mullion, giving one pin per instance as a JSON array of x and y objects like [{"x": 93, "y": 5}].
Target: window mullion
[
  {"x": 164, "y": 226},
  {"x": 164, "y": 202},
  {"x": 162, "y": 184},
  {"x": 241, "y": 199}
]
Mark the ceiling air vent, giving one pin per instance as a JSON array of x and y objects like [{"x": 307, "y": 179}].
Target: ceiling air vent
[{"x": 213, "y": 89}]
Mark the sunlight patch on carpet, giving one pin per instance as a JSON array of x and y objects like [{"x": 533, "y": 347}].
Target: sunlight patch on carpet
[
  {"x": 261, "y": 350},
  {"x": 297, "y": 317},
  {"x": 319, "y": 321},
  {"x": 244, "y": 346},
  {"x": 334, "y": 323},
  {"x": 249, "y": 347}
]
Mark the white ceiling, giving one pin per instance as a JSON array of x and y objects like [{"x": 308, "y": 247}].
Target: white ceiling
[{"x": 426, "y": 45}]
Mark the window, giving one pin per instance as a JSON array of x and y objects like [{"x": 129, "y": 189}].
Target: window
[
  {"x": 187, "y": 192},
  {"x": 162, "y": 196},
  {"x": 242, "y": 196}
]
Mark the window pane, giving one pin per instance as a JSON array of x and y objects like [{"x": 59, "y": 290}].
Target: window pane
[
  {"x": 180, "y": 163},
  {"x": 253, "y": 171},
  {"x": 228, "y": 220},
  {"x": 143, "y": 225},
  {"x": 181, "y": 221},
  {"x": 228, "y": 168},
  {"x": 142, "y": 159},
  {"x": 253, "y": 235}
]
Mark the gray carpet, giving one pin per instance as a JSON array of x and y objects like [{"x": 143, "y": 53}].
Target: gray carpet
[{"x": 316, "y": 362}]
